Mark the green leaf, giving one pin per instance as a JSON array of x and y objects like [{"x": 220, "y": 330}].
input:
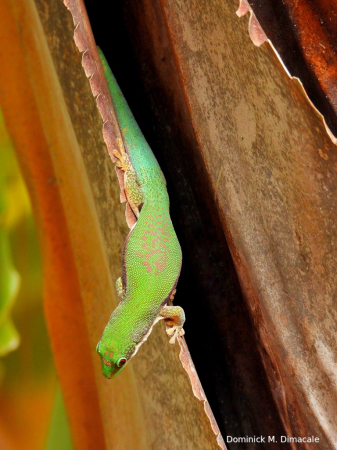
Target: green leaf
[{"x": 9, "y": 277}]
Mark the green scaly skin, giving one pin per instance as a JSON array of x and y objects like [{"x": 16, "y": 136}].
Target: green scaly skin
[{"x": 151, "y": 256}]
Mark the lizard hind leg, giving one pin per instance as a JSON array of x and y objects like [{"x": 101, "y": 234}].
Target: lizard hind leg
[
  {"x": 132, "y": 190},
  {"x": 121, "y": 156},
  {"x": 174, "y": 317}
]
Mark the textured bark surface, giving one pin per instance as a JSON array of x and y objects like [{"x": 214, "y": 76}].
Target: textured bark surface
[
  {"x": 272, "y": 172},
  {"x": 57, "y": 131},
  {"x": 304, "y": 32}
]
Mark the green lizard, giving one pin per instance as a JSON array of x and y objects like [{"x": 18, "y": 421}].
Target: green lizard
[{"x": 151, "y": 255}]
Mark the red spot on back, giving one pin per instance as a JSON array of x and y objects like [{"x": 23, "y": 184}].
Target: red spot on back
[
  {"x": 148, "y": 266},
  {"x": 155, "y": 239}
]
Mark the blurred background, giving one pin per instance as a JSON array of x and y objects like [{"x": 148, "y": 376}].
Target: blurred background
[{"x": 32, "y": 411}]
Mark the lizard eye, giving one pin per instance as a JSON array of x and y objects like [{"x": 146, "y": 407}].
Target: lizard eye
[{"x": 121, "y": 362}]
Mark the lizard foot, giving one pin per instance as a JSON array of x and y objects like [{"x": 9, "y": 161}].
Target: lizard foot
[
  {"x": 121, "y": 156},
  {"x": 174, "y": 332},
  {"x": 174, "y": 317},
  {"x": 120, "y": 287},
  {"x": 133, "y": 191}
]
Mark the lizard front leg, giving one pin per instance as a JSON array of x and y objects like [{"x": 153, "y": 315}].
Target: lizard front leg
[
  {"x": 174, "y": 317},
  {"x": 120, "y": 287},
  {"x": 133, "y": 192}
]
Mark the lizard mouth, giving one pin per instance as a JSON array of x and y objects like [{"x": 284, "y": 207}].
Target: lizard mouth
[{"x": 111, "y": 374}]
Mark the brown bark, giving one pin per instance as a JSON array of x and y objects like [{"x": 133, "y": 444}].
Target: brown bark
[
  {"x": 273, "y": 170},
  {"x": 304, "y": 34},
  {"x": 236, "y": 113}
]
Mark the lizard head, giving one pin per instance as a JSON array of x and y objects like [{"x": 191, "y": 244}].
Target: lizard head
[{"x": 113, "y": 360}]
